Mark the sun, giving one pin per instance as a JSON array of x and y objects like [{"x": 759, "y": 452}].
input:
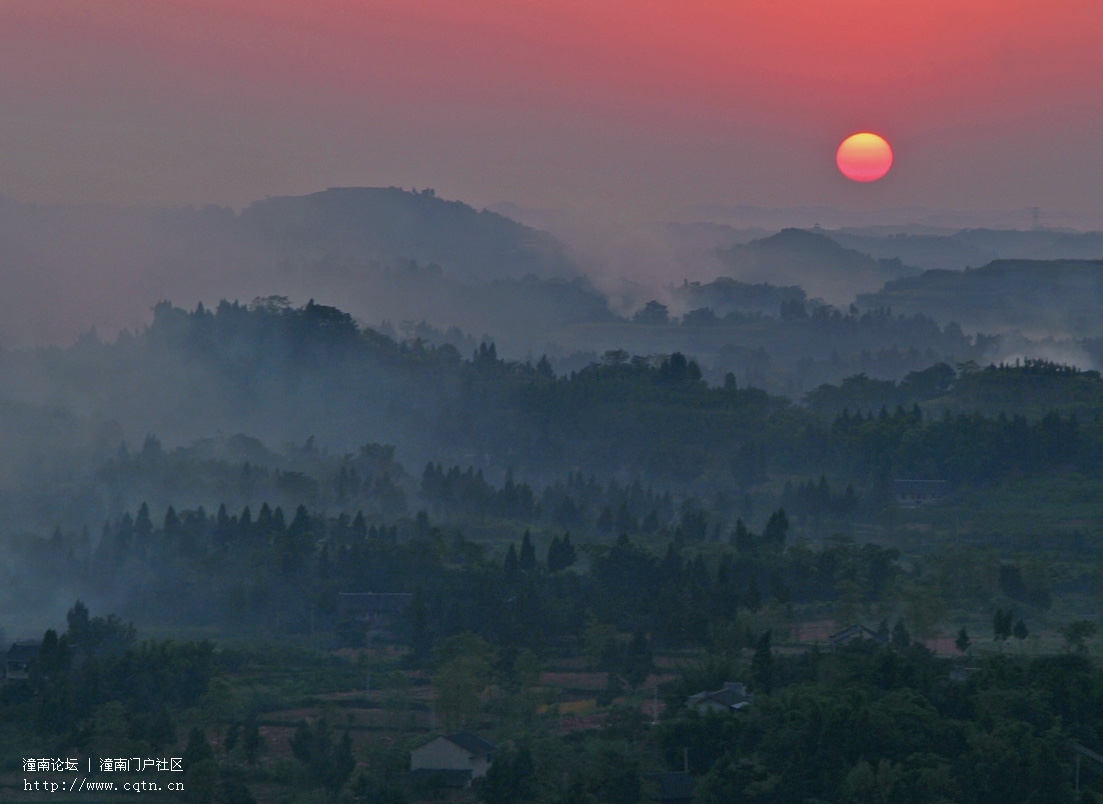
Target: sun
[{"x": 864, "y": 157}]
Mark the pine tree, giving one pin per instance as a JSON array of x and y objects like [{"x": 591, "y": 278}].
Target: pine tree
[
  {"x": 605, "y": 520},
  {"x": 638, "y": 660},
  {"x": 1001, "y": 625},
  {"x": 527, "y": 560},
  {"x": 561, "y": 554},
  {"x": 776, "y": 529},
  {"x": 124, "y": 538},
  {"x": 963, "y": 642},
  {"x": 555, "y": 555},
  {"x": 359, "y": 527},
  {"x": 900, "y": 636},
  {"x": 1020, "y": 632},
  {"x": 510, "y": 779},
  {"x": 143, "y": 529},
  {"x": 762, "y": 665},
  {"x": 742, "y": 539}
]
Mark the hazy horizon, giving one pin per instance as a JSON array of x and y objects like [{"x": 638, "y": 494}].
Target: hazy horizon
[{"x": 642, "y": 110}]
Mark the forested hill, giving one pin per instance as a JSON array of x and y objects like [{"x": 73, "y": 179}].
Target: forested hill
[
  {"x": 812, "y": 260},
  {"x": 955, "y": 251},
  {"x": 68, "y": 269},
  {"x": 286, "y": 374},
  {"x": 1055, "y": 296},
  {"x": 1031, "y": 389},
  {"x": 388, "y": 223},
  {"x": 292, "y": 375}
]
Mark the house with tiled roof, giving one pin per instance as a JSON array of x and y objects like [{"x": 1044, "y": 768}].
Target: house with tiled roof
[
  {"x": 453, "y": 760},
  {"x": 731, "y": 697},
  {"x": 855, "y": 633},
  {"x": 17, "y": 661}
]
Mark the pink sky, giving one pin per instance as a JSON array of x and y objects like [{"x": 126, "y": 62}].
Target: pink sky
[{"x": 640, "y": 105}]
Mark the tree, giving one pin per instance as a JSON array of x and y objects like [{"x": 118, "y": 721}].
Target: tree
[
  {"x": 510, "y": 779},
  {"x": 463, "y": 672},
  {"x": 900, "y": 636},
  {"x": 762, "y": 664},
  {"x": 527, "y": 560},
  {"x": 251, "y": 740},
  {"x": 53, "y": 657},
  {"x": 200, "y": 768},
  {"x": 637, "y": 662},
  {"x": 1076, "y": 633},
  {"x": 421, "y": 640},
  {"x": 1020, "y": 632},
  {"x": 776, "y": 529},
  {"x": 614, "y": 688},
  {"x": 742, "y": 539},
  {"x": 143, "y": 528},
  {"x": 1001, "y": 624},
  {"x": 963, "y": 641},
  {"x": 596, "y": 641},
  {"x": 526, "y": 669},
  {"x": 654, "y": 313},
  {"x": 924, "y": 607},
  {"x": 605, "y": 520},
  {"x": 561, "y": 554},
  {"x": 328, "y": 764},
  {"x": 622, "y": 785}
]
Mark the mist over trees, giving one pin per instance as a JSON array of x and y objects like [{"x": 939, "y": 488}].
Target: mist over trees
[{"x": 730, "y": 534}]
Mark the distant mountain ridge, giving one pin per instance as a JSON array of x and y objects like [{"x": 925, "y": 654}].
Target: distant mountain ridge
[
  {"x": 813, "y": 260},
  {"x": 974, "y": 247},
  {"x": 388, "y": 223},
  {"x": 69, "y": 268},
  {"x": 1055, "y": 296}
]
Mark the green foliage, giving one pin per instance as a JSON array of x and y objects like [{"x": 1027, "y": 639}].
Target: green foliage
[
  {"x": 561, "y": 553},
  {"x": 963, "y": 642},
  {"x": 900, "y": 636},
  {"x": 328, "y": 763},
  {"x": 463, "y": 671},
  {"x": 1002, "y": 624},
  {"x": 762, "y": 665},
  {"x": 1077, "y": 633},
  {"x": 881, "y": 724},
  {"x": 94, "y": 678},
  {"x": 1020, "y": 631},
  {"x": 511, "y": 778}
]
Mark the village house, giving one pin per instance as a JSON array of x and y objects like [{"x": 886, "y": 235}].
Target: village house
[
  {"x": 915, "y": 493},
  {"x": 453, "y": 760},
  {"x": 855, "y": 633},
  {"x": 731, "y": 697},
  {"x": 364, "y": 615},
  {"x": 962, "y": 673},
  {"x": 17, "y": 661}
]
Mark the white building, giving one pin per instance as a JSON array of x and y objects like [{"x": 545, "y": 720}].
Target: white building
[{"x": 457, "y": 757}]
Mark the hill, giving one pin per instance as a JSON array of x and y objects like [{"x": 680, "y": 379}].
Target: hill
[
  {"x": 1031, "y": 389},
  {"x": 725, "y": 295},
  {"x": 70, "y": 268},
  {"x": 388, "y": 223},
  {"x": 1055, "y": 296},
  {"x": 812, "y": 260},
  {"x": 972, "y": 247}
]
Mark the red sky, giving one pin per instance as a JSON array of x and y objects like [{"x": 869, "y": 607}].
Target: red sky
[{"x": 645, "y": 105}]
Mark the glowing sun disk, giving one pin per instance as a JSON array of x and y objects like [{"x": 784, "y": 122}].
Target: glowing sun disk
[{"x": 864, "y": 157}]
